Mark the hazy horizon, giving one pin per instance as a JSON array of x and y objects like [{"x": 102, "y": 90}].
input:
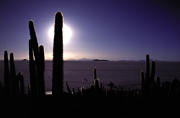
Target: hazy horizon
[{"x": 88, "y": 59}]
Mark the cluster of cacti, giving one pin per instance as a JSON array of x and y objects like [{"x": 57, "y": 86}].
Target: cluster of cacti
[
  {"x": 37, "y": 61},
  {"x": 13, "y": 83},
  {"x": 58, "y": 72},
  {"x": 149, "y": 85},
  {"x": 36, "y": 64}
]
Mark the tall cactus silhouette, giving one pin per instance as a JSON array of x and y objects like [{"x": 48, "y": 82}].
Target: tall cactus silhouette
[
  {"x": 12, "y": 65},
  {"x": 13, "y": 80},
  {"x": 34, "y": 41},
  {"x": 32, "y": 70},
  {"x": 37, "y": 65},
  {"x": 58, "y": 75},
  {"x": 42, "y": 69},
  {"x": 6, "y": 74}
]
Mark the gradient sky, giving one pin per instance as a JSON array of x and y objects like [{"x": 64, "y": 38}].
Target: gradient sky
[{"x": 105, "y": 29}]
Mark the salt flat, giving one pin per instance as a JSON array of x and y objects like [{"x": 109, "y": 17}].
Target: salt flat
[{"x": 80, "y": 73}]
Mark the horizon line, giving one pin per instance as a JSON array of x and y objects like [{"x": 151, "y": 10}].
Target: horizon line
[{"x": 103, "y": 60}]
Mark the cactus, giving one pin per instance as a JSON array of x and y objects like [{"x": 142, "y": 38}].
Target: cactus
[
  {"x": 147, "y": 67},
  {"x": 42, "y": 69},
  {"x": 33, "y": 78},
  {"x": 148, "y": 84},
  {"x": 95, "y": 74},
  {"x": 12, "y": 66},
  {"x": 37, "y": 66},
  {"x": 6, "y": 74},
  {"x": 58, "y": 75},
  {"x": 68, "y": 88},
  {"x": 34, "y": 41},
  {"x": 21, "y": 84},
  {"x": 96, "y": 81},
  {"x": 13, "y": 80}
]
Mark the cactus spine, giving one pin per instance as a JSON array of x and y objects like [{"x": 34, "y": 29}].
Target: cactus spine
[{"x": 58, "y": 75}]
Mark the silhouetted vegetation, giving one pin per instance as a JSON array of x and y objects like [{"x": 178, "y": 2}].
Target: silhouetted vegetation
[
  {"x": 37, "y": 63},
  {"x": 14, "y": 83},
  {"x": 57, "y": 76}
]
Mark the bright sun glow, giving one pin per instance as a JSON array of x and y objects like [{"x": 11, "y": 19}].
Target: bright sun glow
[{"x": 67, "y": 33}]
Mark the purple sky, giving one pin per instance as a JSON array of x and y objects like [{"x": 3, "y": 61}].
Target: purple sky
[{"x": 105, "y": 29}]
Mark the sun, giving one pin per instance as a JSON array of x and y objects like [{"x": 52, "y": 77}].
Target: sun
[{"x": 67, "y": 33}]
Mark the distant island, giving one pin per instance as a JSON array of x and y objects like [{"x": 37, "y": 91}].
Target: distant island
[{"x": 100, "y": 60}]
